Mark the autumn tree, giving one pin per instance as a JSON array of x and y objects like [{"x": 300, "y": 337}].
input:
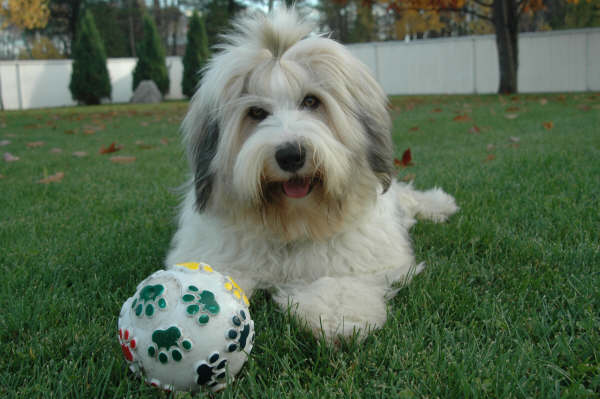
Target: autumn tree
[
  {"x": 90, "y": 82},
  {"x": 504, "y": 16},
  {"x": 25, "y": 14}
]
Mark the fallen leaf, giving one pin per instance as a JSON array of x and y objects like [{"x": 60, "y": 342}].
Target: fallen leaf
[
  {"x": 414, "y": 128},
  {"x": 88, "y": 131},
  {"x": 461, "y": 118},
  {"x": 543, "y": 101},
  {"x": 164, "y": 141},
  {"x": 56, "y": 150},
  {"x": 1, "y": 176},
  {"x": 144, "y": 123},
  {"x": 406, "y": 159},
  {"x": 55, "y": 178},
  {"x": 113, "y": 147},
  {"x": 69, "y": 131},
  {"x": 143, "y": 146},
  {"x": 35, "y": 144},
  {"x": 475, "y": 129},
  {"x": 436, "y": 110},
  {"x": 80, "y": 154},
  {"x": 548, "y": 125},
  {"x": 584, "y": 107},
  {"x": 511, "y": 116},
  {"x": 4, "y": 142},
  {"x": 490, "y": 157},
  {"x": 512, "y": 109},
  {"x": 408, "y": 177},
  {"x": 8, "y": 157},
  {"x": 122, "y": 159}
]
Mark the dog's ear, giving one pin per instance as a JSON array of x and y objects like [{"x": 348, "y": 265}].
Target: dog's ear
[
  {"x": 372, "y": 110},
  {"x": 201, "y": 138}
]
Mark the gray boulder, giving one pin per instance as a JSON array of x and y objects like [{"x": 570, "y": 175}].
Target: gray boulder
[{"x": 146, "y": 93}]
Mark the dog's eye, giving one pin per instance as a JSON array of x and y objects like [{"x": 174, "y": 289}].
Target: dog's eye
[
  {"x": 310, "y": 102},
  {"x": 257, "y": 113}
]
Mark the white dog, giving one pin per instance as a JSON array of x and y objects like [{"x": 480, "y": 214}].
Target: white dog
[{"x": 289, "y": 143}]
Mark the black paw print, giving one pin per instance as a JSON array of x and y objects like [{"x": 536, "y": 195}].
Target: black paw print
[
  {"x": 212, "y": 372},
  {"x": 242, "y": 332}
]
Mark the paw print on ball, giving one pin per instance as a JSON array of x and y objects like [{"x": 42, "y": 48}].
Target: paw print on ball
[
  {"x": 128, "y": 344},
  {"x": 212, "y": 372},
  {"x": 150, "y": 298},
  {"x": 241, "y": 335},
  {"x": 201, "y": 304},
  {"x": 169, "y": 340}
]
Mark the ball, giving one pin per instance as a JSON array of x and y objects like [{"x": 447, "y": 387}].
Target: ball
[{"x": 186, "y": 328}]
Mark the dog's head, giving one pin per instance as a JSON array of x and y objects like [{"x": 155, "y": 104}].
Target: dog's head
[{"x": 288, "y": 130}]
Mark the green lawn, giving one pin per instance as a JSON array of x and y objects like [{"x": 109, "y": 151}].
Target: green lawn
[{"x": 509, "y": 305}]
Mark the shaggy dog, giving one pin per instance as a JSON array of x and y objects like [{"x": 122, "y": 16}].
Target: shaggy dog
[{"x": 289, "y": 144}]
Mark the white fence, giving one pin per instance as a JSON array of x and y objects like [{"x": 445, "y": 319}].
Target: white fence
[
  {"x": 45, "y": 83},
  {"x": 549, "y": 62}
]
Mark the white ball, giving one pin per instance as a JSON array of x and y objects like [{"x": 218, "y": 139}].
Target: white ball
[{"x": 186, "y": 328}]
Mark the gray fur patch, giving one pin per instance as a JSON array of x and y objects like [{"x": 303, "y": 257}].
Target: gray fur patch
[
  {"x": 203, "y": 152},
  {"x": 380, "y": 153}
]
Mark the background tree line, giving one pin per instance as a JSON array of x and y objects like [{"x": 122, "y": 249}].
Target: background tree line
[{"x": 48, "y": 28}]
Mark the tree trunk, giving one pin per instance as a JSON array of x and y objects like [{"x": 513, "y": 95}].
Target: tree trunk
[{"x": 506, "y": 22}]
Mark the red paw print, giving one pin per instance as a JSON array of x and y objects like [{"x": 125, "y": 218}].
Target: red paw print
[{"x": 127, "y": 344}]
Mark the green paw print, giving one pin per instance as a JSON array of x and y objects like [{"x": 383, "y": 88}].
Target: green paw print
[
  {"x": 200, "y": 304},
  {"x": 151, "y": 297},
  {"x": 164, "y": 340}
]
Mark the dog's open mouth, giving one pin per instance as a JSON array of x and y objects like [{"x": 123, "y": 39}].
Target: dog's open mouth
[{"x": 298, "y": 187}]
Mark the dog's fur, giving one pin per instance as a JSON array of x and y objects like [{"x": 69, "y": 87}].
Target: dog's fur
[{"x": 330, "y": 253}]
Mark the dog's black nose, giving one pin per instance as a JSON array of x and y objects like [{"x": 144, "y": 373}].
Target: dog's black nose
[{"x": 290, "y": 157}]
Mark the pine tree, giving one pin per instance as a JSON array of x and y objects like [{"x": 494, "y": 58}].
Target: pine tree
[
  {"x": 90, "y": 81},
  {"x": 196, "y": 55},
  {"x": 151, "y": 63}
]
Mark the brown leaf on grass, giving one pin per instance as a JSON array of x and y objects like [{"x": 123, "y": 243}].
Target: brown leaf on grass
[
  {"x": 113, "y": 147},
  {"x": 70, "y": 131},
  {"x": 414, "y": 128},
  {"x": 35, "y": 144},
  {"x": 436, "y": 110},
  {"x": 56, "y": 150},
  {"x": 405, "y": 161},
  {"x": 490, "y": 157},
  {"x": 475, "y": 129},
  {"x": 2, "y": 176},
  {"x": 80, "y": 154},
  {"x": 543, "y": 101},
  {"x": 122, "y": 159},
  {"x": 461, "y": 118},
  {"x": 408, "y": 177},
  {"x": 512, "y": 109},
  {"x": 584, "y": 107},
  {"x": 8, "y": 157},
  {"x": 164, "y": 141},
  {"x": 511, "y": 116},
  {"x": 144, "y": 123},
  {"x": 548, "y": 125},
  {"x": 55, "y": 178}
]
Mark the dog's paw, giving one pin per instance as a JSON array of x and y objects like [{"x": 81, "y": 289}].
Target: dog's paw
[{"x": 336, "y": 307}]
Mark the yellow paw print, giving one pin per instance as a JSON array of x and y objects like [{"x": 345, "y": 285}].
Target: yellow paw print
[{"x": 236, "y": 290}]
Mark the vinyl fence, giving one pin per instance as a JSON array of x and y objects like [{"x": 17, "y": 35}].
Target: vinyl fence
[{"x": 549, "y": 62}]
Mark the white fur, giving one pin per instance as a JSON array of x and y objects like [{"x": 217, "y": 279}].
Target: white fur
[{"x": 333, "y": 255}]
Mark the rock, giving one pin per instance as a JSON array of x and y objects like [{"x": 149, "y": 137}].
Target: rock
[{"x": 146, "y": 93}]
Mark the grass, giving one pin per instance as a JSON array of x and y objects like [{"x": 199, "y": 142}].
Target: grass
[{"x": 509, "y": 305}]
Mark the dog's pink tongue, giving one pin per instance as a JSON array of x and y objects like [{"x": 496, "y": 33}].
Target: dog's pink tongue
[{"x": 296, "y": 188}]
